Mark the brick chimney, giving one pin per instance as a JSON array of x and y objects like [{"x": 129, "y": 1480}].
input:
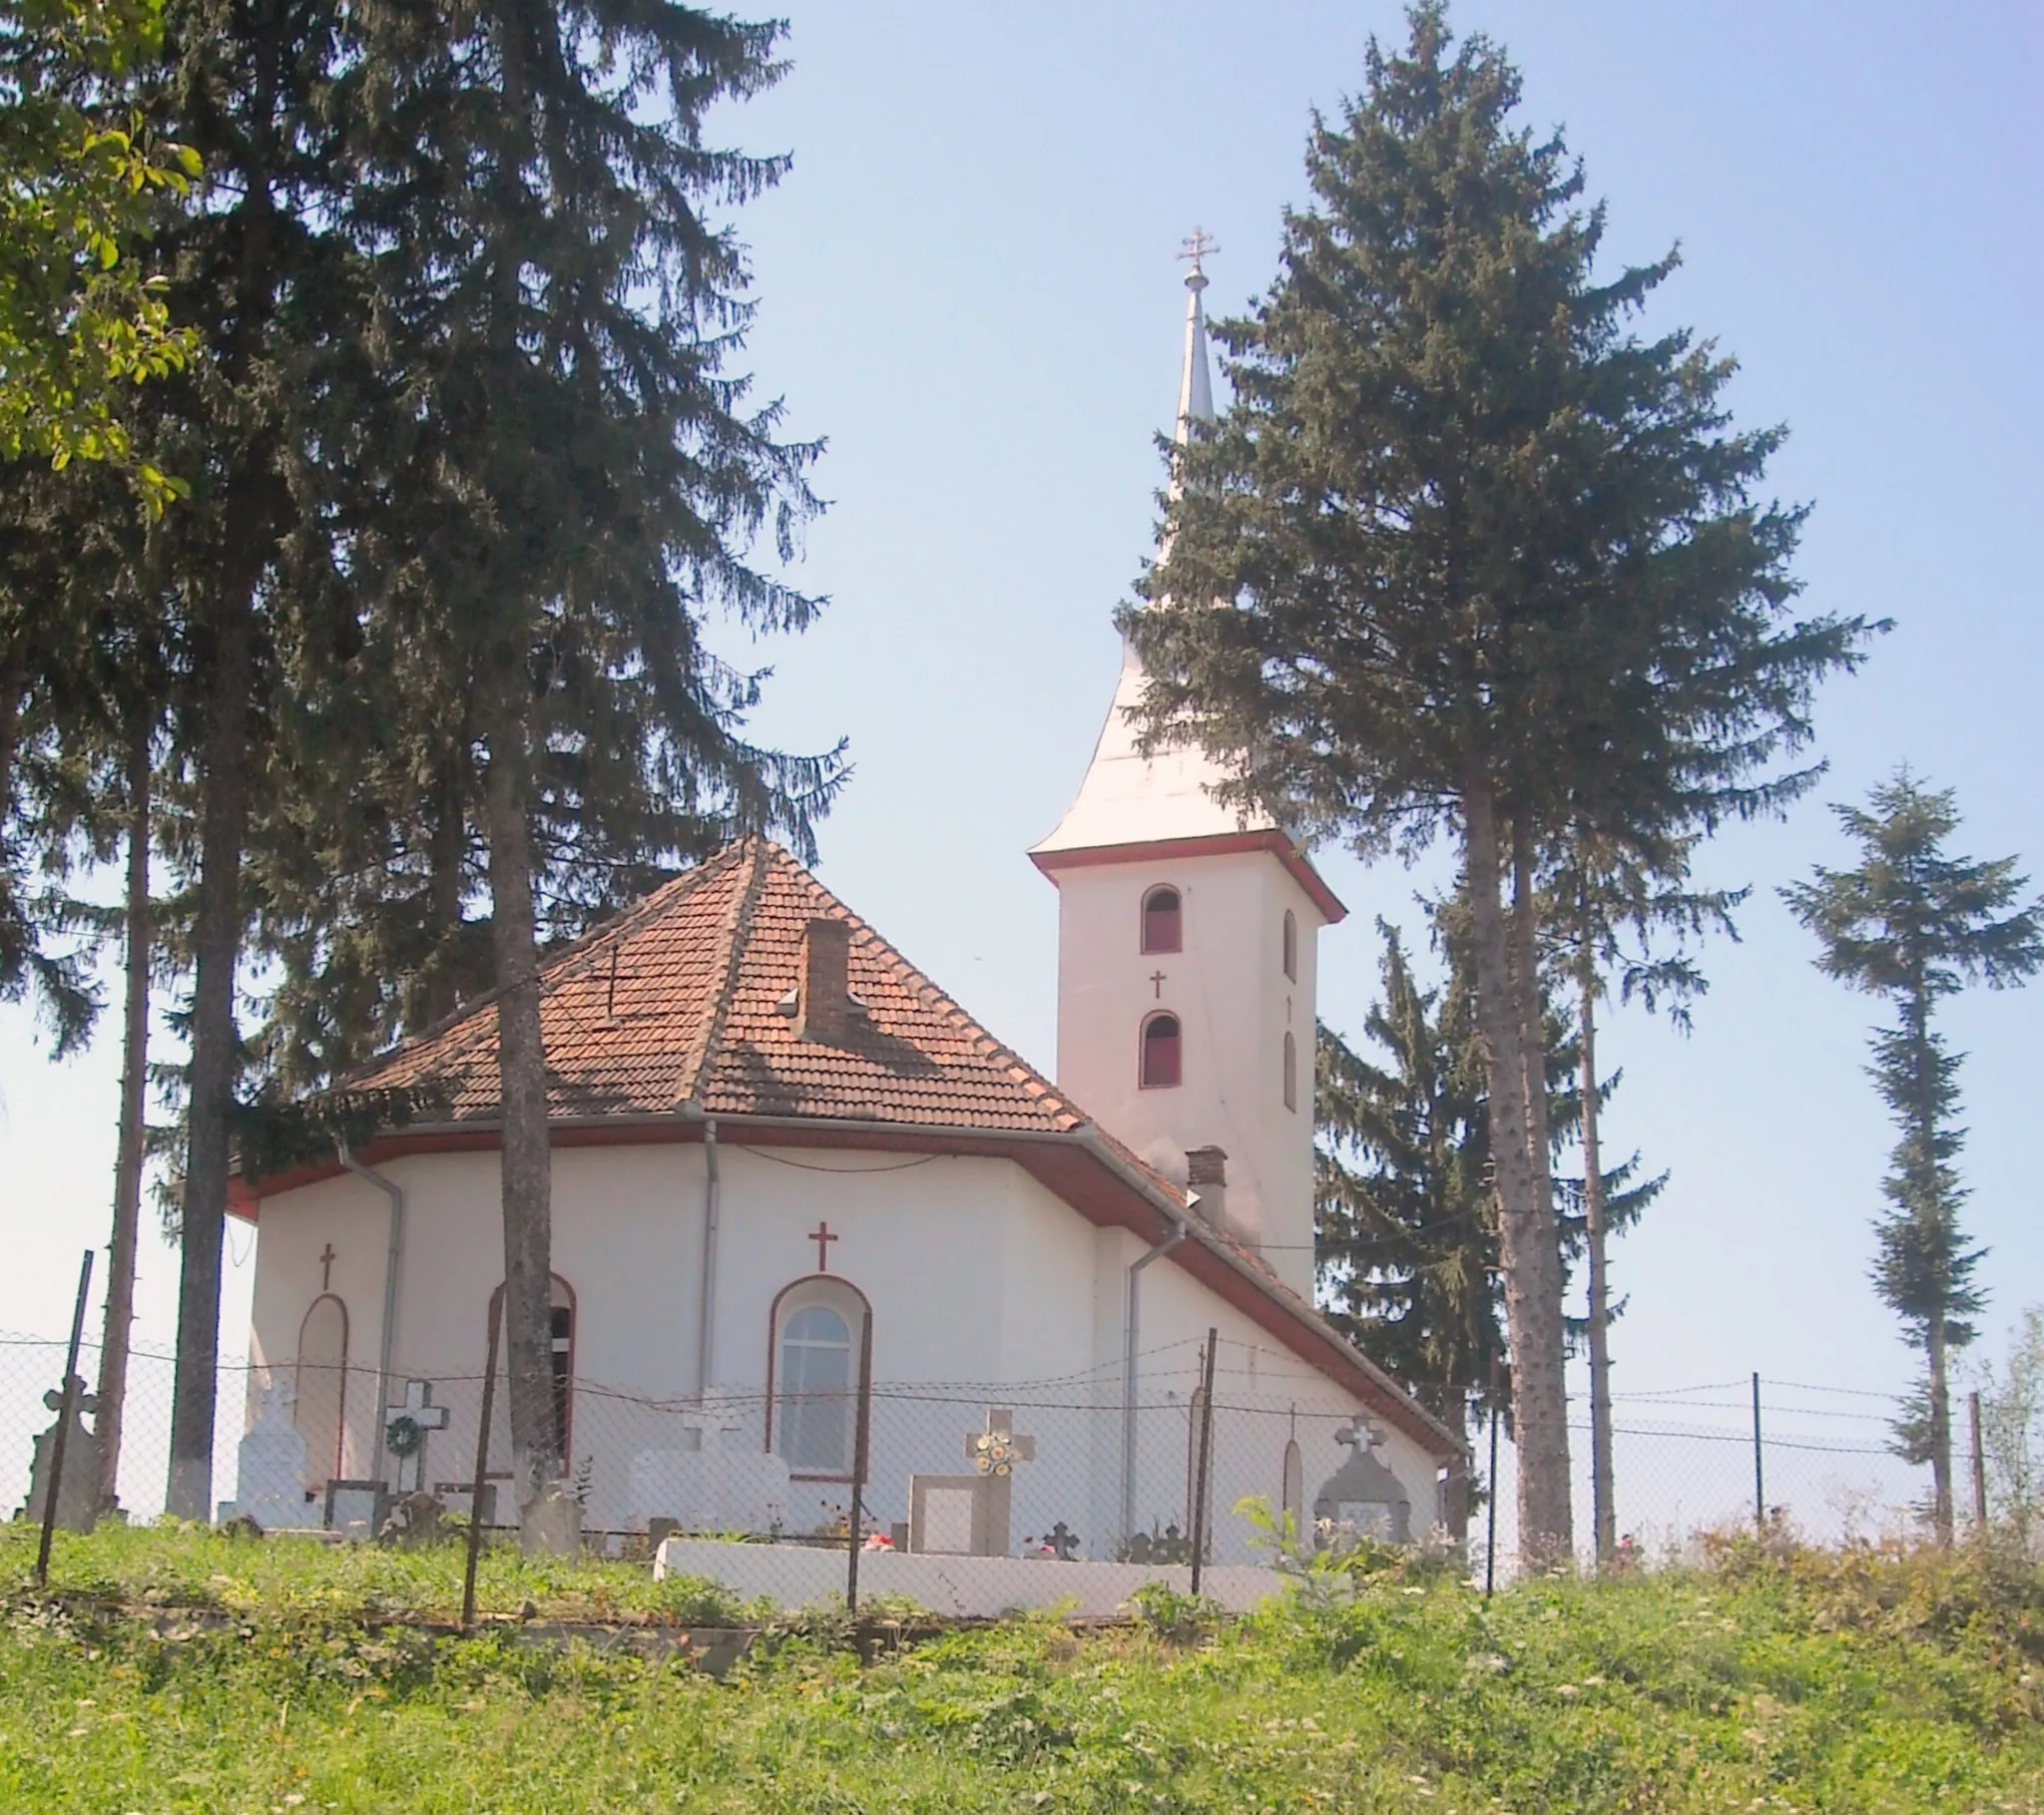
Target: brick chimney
[
  {"x": 826, "y": 982},
  {"x": 1207, "y": 1177}
]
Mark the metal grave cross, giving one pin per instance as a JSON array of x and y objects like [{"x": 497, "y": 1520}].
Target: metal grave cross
[{"x": 406, "y": 1429}]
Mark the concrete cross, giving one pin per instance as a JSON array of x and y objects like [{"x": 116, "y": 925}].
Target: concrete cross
[
  {"x": 411, "y": 1418},
  {"x": 1360, "y": 1435},
  {"x": 995, "y": 1450},
  {"x": 712, "y": 1422}
]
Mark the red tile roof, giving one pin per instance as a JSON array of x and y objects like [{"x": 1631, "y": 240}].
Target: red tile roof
[{"x": 682, "y": 1000}]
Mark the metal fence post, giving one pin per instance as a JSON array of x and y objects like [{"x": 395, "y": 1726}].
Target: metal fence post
[
  {"x": 67, "y": 1398},
  {"x": 1979, "y": 1466},
  {"x": 860, "y": 1445},
  {"x": 482, "y": 1463},
  {"x": 1760, "y": 1492},
  {"x": 1201, "y": 1475}
]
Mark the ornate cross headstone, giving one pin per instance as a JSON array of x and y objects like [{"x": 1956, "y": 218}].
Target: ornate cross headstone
[
  {"x": 994, "y": 1452},
  {"x": 967, "y": 1515},
  {"x": 78, "y": 1491},
  {"x": 1364, "y": 1496},
  {"x": 411, "y": 1420}
]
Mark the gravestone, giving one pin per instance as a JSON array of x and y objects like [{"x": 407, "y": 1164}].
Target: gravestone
[
  {"x": 408, "y": 1424},
  {"x": 968, "y": 1515},
  {"x": 78, "y": 1493},
  {"x": 269, "y": 1472},
  {"x": 550, "y": 1522},
  {"x": 414, "y": 1523},
  {"x": 713, "y": 1488},
  {"x": 1362, "y": 1496}
]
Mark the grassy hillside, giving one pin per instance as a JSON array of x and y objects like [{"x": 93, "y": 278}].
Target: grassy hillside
[{"x": 1868, "y": 1683}]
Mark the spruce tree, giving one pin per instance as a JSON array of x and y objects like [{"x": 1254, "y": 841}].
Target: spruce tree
[
  {"x": 259, "y": 272},
  {"x": 1473, "y": 541},
  {"x": 573, "y": 480},
  {"x": 1405, "y": 1222},
  {"x": 1913, "y": 925}
]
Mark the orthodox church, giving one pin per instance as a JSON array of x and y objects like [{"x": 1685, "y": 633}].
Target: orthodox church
[{"x": 814, "y": 1224}]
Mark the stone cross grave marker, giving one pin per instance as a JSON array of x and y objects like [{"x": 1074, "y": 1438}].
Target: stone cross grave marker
[
  {"x": 78, "y": 1493},
  {"x": 968, "y": 1515},
  {"x": 993, "y": 1453},
  {"x": 411, "y": 1420}
]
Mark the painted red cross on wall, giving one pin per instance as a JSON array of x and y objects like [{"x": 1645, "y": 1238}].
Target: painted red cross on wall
[{"x": 823, "y": 1237}]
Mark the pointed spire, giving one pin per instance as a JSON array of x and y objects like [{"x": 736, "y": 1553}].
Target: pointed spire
[{"x": 1196, "y": 384}]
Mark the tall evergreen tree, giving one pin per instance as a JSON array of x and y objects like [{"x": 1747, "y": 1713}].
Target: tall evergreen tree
[
  {"x": 260, "y": 275},
  {"x": 1405, "y": 1211},
  {"x": 572, "y": 481},
  {"x": 1473, "y": 541},
  {"x": 1405, "y": 1220},
  {"x": 1913, "y": 925}
]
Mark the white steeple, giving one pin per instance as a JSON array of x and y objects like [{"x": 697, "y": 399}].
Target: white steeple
[
  {"x": 1187, "y": 936},
  {"x": 1196, "y": 382},
  {"x": 1128, "y": 798}
]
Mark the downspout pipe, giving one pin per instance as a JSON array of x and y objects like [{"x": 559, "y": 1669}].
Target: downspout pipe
[
  {"x": 1131, "y": 1323},
  {"x": 392, "y": 1262},
  {"x": 713, "y": 1214}
]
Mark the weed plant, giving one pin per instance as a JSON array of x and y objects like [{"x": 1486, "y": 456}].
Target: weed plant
[{"x": 1873, "y": 1682}]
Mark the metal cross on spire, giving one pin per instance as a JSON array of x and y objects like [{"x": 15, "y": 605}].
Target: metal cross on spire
[
  {"x": 1197, "y": 246},
  {"x": 1195, "y": 386}
]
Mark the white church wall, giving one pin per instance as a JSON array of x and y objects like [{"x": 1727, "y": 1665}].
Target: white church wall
[
  {"x": 986, "y": 1288},
  {"x": 1235, "y": 1004}
]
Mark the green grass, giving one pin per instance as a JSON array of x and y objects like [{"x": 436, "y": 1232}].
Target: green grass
[{"x": 1869, "y": 1683}]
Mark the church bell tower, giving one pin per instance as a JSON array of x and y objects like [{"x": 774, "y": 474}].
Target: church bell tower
[{"x": 1186, "y": 947}]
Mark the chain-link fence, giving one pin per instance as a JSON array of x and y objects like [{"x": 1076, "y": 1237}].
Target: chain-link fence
[{"x": 944, "y": 1491}]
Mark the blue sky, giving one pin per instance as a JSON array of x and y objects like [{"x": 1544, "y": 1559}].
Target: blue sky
[{"x": 969, "y": 286}]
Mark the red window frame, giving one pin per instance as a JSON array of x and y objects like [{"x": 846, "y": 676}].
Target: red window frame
[
  {"x": 1163, "y": 928},
  {"x": 1161, "y": 1053}
]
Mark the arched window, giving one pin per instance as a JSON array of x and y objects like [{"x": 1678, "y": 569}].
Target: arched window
[
  {"x": 1163, "y": 1057},
  {"x": 1163, "y": 921},
  {"x": 1290, "y": 945},
  {"x": 820, "y": 1333},
  {"x": 1290, "y": 1073}
]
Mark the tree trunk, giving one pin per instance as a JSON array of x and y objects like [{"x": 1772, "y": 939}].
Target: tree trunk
[
  {"x": 1928, "y": 1208},
  {"x": 521, "y": 1079},
  {"x": 447, "y": 846},
  {"x": 1528, "y": 1250},
  {"x": 1940, "y": 1433},
  {"x": 119, "y": 1313},
  {"x": 1604, "y": 1513},
  {"x": 216, "y": 946}
]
